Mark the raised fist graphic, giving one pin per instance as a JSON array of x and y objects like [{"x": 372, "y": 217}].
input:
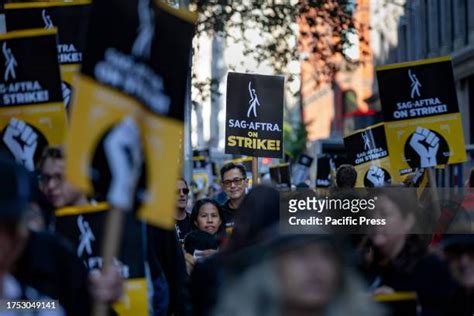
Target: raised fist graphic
[
  {"x": 22, "y": 141},
  {"x": 123, "y": 150},
  {"x": 426, "y": 145},
  {"x": 376, "y": 175}
]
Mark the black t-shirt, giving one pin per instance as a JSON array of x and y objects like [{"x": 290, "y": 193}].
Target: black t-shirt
[
  {"x": 166, "y": 256},
  {"x": 228, "y": 214},
  {"x": 183, "y": 227},
  {"x": 50, "y": 265}
]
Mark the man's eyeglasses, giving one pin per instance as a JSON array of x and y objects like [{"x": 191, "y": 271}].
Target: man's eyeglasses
[
  {"x": 45, "y": 179},
  {"x": 184, "y": 191},
  {"x": 236, "y": 181}
]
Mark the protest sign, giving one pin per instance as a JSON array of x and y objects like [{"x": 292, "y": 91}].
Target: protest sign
[
  {"x": 32, "y": 113},
  {"x": 421, "y": 114},
  {"x": 132, "y": 83},
  {"x": 323, "y": 172},
  {"x": 84, "y": 226},
  {"x": 254, "y": 115},
  {"x": 301, "y": 168},
  {"x": 368, "y": 152},
  {"x": 69, "y": 17},
  {"x": 202, "y": 169},
  {"x": 280, "y": 174}
]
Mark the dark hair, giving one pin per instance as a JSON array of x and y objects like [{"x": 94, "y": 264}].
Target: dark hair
[
  {"x": 195, "y": 212},
  {"x": 50, "y": 152},
  {"x": 199, "y": 240},
  {"x": 346, "y": 176},
  {"x": 259, "y": 210},
  {"x": 230, "y": 166},
  {"x": 185, "y": 182}
]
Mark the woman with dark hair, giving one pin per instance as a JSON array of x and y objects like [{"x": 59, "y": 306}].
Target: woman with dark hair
[
  {"x": 399, "y": 257},
  {"x": 207, "y": 215},
  {"x": 258, "y": 211}
]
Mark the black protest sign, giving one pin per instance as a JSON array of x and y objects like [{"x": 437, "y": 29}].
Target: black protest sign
[
  {"x": 323, "y": 173},
  {"x": 367, "y": 150},
  {"x": 201, "y": 158},
  {"x": 70, "y": 18},
  {"x": 146, "y": 54},
  {"x": 280, "y": 174},
  {"x": 301, "y": 169},
  {"x": 32, "y": 113},
  {"x": 254, "y": 115},
  {"x": 417, "y": 89},
  {"x": 84, "y": 227},
  {"x": 305, "y": 160},
  {"x": 366, "y": 145},
  {"x": 30, "y": 68}
]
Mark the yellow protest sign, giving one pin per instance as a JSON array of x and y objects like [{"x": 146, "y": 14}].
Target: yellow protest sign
[
  {"x": 421, "y": 114},
  {"x": 367, "y": 150},
  {"x": 133, "y": 81},
  {"x": 32, "y": 113}
]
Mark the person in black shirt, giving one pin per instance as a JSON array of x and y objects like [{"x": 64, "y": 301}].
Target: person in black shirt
[
  {"x": 459, "y": 253},
  {"x": 183, "y": 223},
  {"x": 234, "y": 182}
]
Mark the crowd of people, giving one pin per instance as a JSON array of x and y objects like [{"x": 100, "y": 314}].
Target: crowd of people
[{"x": 233, "y": 259}]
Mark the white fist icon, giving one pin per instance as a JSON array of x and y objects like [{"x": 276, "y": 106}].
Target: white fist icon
[
  {"x": 426, "y": 145},
  {"x": 22, "y": 141},
  {"x": 124, "y": 154},
  {"x": 376, "y": 175}
]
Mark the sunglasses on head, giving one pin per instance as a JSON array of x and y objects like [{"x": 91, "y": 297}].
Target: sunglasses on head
[{"x": 184, "y": 190}]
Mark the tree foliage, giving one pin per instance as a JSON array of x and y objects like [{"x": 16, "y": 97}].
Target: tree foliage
[{"x": 322, "y": 34}]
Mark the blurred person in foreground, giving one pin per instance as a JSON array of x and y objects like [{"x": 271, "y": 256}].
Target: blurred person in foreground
[
  {"x": 259, "y": 210},
  {"x": 42, "y": 260},
  {"x": 399, "y": 260},
  {"x": 164, "y": 255},
  {"x": 295, "y": 275},
  {"x": 15, "y": 194},
  {"x": 458, "y": 248}
]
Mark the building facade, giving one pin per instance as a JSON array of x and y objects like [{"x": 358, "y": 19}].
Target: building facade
[{"x": 419, "y": 29}]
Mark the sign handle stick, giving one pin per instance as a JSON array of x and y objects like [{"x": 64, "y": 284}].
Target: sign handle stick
[
  {"x": 433, "y": 190},
  {"x": 254, "y": 171},
  {"x": 110, "y": 249}
]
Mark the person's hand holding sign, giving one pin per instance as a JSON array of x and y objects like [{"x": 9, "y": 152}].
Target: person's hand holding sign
[
  {"x": 21, "y": 140},
  {"x": 426, "y": 145},
  {"x": 376, "y": 176},
  {"x": 124, "y": 154}
]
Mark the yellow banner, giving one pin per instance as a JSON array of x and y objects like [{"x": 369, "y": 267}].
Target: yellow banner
[
  {"x": 134, "y": 300},
  {"x": 434, "y": 140},
  {"x": 101, "y": 109}
]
